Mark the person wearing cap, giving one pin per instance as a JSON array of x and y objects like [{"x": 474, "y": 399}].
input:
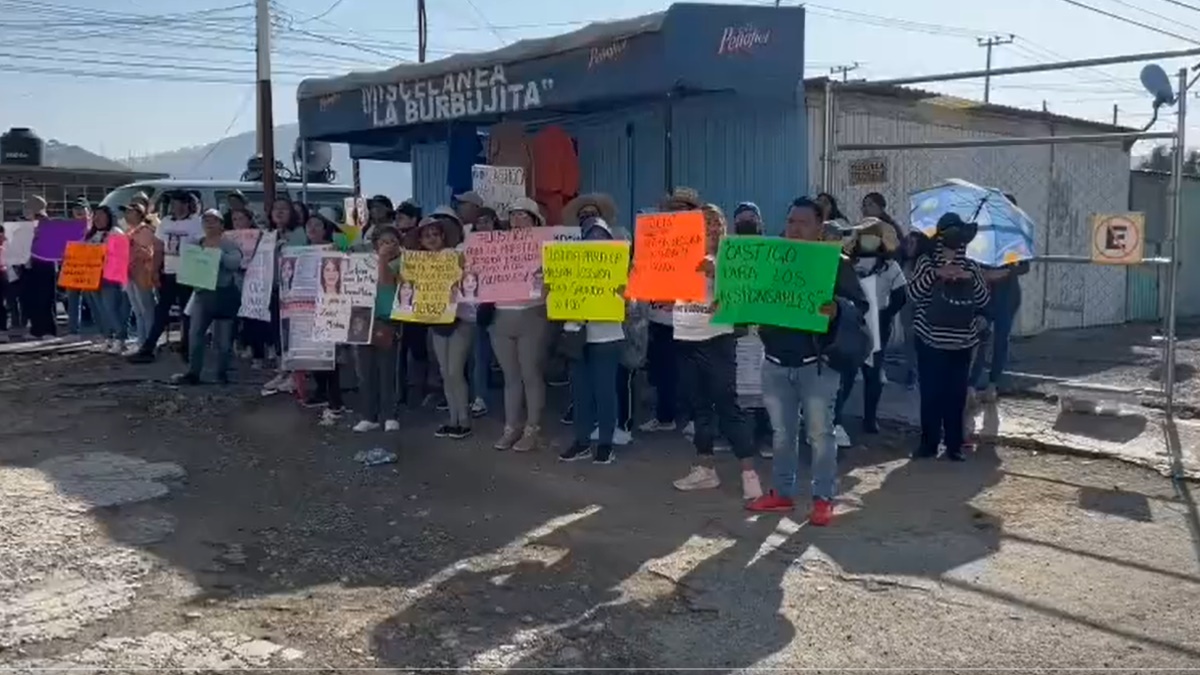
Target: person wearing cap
[
  {"x": 747, "y": 219},
  {"x": 467, "y": 205},
  {"x": 519, "y": 343},
  {"x": 949, "y": 294},
  {"x": 81, "y": 209},
  {"x": 181, "y": 225},
  {"x": 797, "y": 378},
  {"x": 872, "y": 247},
  {"x": 145, "y": 264},
  {"x": 217, "y": 308},
  {"x": 234, "y": 201},
  {"x": 707, "y": 354},
  {"x": 39, "y": 282}
]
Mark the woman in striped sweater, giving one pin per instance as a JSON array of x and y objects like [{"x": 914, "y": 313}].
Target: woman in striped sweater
[{"x": 948, "y": 294}]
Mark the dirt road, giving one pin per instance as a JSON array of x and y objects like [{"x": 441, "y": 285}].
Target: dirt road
[{"x": 144, "y": 526}]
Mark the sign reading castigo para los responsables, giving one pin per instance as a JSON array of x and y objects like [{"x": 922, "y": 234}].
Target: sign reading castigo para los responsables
[{"x": 477, "y": 91}]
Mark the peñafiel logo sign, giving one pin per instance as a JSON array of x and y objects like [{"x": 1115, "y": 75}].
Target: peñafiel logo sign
[
  {"x": 598, "y": 56},
  {"x": 742, "y": 39},
  {"x": 454, "y": 95}
]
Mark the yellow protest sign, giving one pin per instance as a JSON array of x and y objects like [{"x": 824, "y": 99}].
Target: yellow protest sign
[
  {"x": 427, "y": 287},
  {"x": 585, "y": 280},
  {"x": 82, "y": 266}
]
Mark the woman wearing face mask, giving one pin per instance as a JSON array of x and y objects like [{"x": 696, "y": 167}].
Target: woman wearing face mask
[
  {"x": 747, "y": 219},
  {"x": 105, "y": 303},
  {"x": 217, "y": 308},
  {"x": 948, "y": 294},
  {"x": 871, "y": 249}
]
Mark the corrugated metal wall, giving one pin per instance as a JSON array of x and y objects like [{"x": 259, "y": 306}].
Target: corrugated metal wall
[
  {"x": 728, "y": 151},
  {"x": 1059, "y": 186},
  {"x": 1149, "y": 194}
]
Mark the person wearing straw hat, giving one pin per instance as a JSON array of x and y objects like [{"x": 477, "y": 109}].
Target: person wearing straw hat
[
  {"x": 872, "y": 246},
  {"x": 519, "y": 342},
  {"x": 591, "y": 205}
]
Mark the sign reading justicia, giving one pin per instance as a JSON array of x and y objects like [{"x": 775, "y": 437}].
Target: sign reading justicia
[{"x": 476, "y": 91}]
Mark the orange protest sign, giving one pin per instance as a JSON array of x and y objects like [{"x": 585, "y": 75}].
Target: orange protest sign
[
  {"x": 82, "y": 266},
  {"x": 667, "y": 249}
]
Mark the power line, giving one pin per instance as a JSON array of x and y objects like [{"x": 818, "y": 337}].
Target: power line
[
  {"x": 1179, "y": 3},
  {"x": 328, "y": 10},
  {"x": 486, "y": 23},
  {"x": 1129, "y": 21},
  {"x": 225, "y": 134}
]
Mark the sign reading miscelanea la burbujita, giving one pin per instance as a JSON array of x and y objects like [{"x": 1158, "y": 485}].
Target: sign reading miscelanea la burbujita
[{"x": 476, "y": 91}]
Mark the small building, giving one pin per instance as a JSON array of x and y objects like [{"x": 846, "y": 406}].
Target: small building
[
  {"x": 1060, "y": 186},
  {"x": 60, "y": 186}
]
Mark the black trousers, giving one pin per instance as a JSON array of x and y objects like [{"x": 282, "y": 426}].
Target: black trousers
[
  {"x": 414, "y": 342},
  {"x": 708, "y": 375},
  {"x": 943, "y": 377},
  {"x": 39, "y": 291},
  {"x": 171, "y": 293},
  {"x": 662, "y": 366},
  {"x": 624, "y": 398},
  {"x": 872, "y": 390},
  {"x": 329, "y": 387},
  {"x": 10, "y": 306}
]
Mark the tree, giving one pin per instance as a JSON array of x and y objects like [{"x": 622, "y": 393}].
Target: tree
[{"x": 1162, "y": 157}]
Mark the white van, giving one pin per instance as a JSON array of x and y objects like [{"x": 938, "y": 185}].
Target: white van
[{"x": 212, "y": 194}]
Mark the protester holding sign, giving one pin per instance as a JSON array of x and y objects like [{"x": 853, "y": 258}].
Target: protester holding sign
[
  {"x": 107, "y": 302},
  {"x": 708, "y": 374},
  {"x": 328, "y": 392},
  {"x": 180, "y": 225},
  {"x": 519, "y": 342},
  {"x": 218, "y": 307},
  {"x": 145, "y": 262},
  {"x": 796, "y": 374},
  {"x": 38, "y": 281},
  {"x": 376, "y": 362}
]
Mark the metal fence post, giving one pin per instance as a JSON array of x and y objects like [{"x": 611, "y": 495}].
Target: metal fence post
[
  {"x": 1173, "y": 238},
  {"x": 827, "y": 139}
]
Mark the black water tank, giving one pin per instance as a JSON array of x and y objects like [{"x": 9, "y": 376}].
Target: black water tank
[{"x": 21, "y": 147}]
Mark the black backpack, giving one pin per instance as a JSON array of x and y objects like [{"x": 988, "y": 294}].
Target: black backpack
[
  {"x": 849, "y": 340},
  {"x": 951, "y": 304}
]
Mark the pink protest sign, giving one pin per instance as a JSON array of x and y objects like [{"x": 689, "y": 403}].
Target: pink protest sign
[
  {"x": 501, "y": 265},
  {"x": 116, "y": 258}
]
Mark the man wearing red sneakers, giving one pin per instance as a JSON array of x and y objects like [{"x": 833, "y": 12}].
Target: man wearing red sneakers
[{"x": 797, "y": 378}]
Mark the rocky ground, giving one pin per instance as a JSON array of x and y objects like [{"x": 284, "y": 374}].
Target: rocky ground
[{"x": 147, "y": 527}]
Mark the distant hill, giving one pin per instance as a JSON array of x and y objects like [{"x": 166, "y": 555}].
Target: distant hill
[
  {"x": 67, "y": 156},
  {"x": 226, "y": 159}
]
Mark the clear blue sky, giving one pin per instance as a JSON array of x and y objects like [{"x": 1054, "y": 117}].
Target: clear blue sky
[{"x": 52, "y": 50}]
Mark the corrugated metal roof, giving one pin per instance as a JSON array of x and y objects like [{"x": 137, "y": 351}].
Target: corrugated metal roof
[{"x": 962, "y": 104}]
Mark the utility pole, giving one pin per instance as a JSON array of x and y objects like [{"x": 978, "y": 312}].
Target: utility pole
[
  {"x": 844, "y": 71},
  {"x": 1115, "y": 111},
  {"x": 266, "y": 118},
  {"x": 989, "y": 42}
]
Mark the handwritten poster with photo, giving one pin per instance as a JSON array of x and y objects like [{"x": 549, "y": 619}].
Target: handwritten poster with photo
[
  {"x": 499, "y": 186},
  {"x": 174, "y": 234},
  {"x": 428, "y": 286},
  {"x": 299, "y": 283},
  {"x": 260, "y": 276},
  {"x": 346, "y": 298},
  {"x": 500, "y": 265}
]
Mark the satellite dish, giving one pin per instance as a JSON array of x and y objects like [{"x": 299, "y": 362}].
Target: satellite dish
[{"x": 1156, "y": 82}]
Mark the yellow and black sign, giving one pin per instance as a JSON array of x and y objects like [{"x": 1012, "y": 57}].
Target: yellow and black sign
[{"x": 1118, "y": 238}]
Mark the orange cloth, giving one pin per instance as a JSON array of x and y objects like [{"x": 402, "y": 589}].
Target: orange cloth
[
  {"x": 556, "y": 171},
  {"x": 508, "y": 146}
]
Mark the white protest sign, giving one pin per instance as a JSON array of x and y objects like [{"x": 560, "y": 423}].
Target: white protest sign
[
  {"x": 345, "y": 306},
  {"x": 260, "y": 277},
  {"x": 499, "y": 186},
  {"x": 18, "y": 242}
]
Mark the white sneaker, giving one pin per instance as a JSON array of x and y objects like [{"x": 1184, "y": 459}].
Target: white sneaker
[
  {"x": 652, "y": 425},
  {"x": 287, "y": 386},
  {"x": 329, "y": 418},
  {"x": 722, "y": 444},
  {"x": 132, "y": 349},
  {"x": 690, "y": 430},
  {"x": 751, "y": 487},
  {"x": 701, "y": 478},
  {"x": 766, "y": 452},
  {"x": 840, "y": 437},
  {"x": 620, "y": 436},
  {"x": 116, "y": 347},
  {"x": 882, "y": 377},
  {"x": 366, "y": 425},
  {"x": 478, "y": 407},
  {"x": 390, "y": 425}
]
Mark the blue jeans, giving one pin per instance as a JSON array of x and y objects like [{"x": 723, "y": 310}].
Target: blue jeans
[
  {"x": 74, "y": 308},
  {"x": 141, "y": 300},
  {"x": 594, "y": 391},
  {"x": 787, "y": 392},
  {"x": 1001, "y": 327},
  {"x": 203, "y": 316},
  {"x": 481, "y": 364},
  {"x": 107, "y": 307}
]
